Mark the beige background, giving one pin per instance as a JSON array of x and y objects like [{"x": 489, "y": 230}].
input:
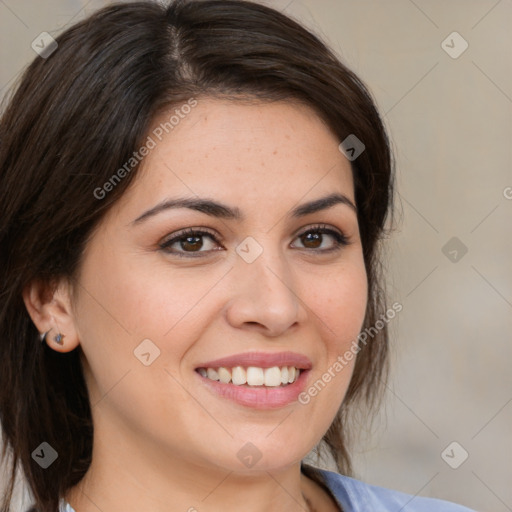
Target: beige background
[{"x": 450, "y": 122}]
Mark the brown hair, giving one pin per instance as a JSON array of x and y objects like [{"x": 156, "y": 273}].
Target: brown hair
[{"x": 78, "y": 115}]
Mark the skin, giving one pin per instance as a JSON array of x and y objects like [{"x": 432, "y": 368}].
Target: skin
[{"x": 160, "y": 437}]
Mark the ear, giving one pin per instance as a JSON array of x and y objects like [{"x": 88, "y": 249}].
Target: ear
[{"x": 50, "y": 308}]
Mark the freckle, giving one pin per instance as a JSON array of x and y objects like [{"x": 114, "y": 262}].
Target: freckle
[{"x": 275, "y": 152}]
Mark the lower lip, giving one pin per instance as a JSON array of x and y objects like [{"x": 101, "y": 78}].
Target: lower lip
[{"x": 258, "y": 397}]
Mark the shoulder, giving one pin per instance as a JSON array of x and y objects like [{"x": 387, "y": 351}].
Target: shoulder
[{"x": 356, "y": 496}]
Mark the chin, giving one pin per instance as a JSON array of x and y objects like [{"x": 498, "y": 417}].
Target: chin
[{"x": 262, "y": 454}]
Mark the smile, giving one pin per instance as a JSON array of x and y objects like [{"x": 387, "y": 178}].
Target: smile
[{"x": 252, "y": 376}]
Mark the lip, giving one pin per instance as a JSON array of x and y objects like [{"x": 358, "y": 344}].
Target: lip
[
  {"x": 261, "y": 360},
  {"x": 257, "y": 397}
]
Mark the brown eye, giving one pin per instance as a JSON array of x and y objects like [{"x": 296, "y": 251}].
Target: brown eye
[
  {"x": 192, "y": 243},
  {"x": 314, "y": 237},
  {"x": 189, "y": 243}
]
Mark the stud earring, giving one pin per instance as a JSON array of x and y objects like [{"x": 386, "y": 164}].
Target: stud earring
[{"x": 58, "y": 338}]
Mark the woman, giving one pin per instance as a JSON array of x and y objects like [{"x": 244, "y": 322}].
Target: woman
[{"x": 192, "y": 202}]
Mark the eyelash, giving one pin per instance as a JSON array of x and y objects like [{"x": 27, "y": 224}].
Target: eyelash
[{"x": 340, "y": 240}]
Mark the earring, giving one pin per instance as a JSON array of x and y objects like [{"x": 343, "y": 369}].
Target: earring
[{"x": 58, "y": 338}]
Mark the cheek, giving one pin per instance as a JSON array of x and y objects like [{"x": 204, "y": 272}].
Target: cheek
[
  {"x": 341, "y": 305},
  {"x": 120, "y": 310},
  {"x": 135, "y": 301}
]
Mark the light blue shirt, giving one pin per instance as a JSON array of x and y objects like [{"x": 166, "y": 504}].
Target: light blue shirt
[
  {"x": 65, "y": 507},
  {"x": 355, "y": 496}
]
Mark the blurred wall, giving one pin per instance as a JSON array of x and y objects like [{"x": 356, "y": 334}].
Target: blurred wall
[{"x": 441, "y": 75}]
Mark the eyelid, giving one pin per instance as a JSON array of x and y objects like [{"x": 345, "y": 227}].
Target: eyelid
[
  {"x": 342, "y": 239},
  {"x": 182, "y": 233},
  {"x": 318, "y": 227}
]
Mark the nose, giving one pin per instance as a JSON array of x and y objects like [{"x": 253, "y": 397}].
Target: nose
[{"x": 265, "y": 296}]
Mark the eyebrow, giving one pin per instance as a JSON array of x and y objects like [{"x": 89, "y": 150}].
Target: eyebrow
[{"x": 222, "y": 211}]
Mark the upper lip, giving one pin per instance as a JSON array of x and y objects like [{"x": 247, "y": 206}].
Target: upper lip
[{"x": 261, "y": 360}]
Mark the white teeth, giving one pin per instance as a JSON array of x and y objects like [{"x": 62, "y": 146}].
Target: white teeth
[
  {"x": 253, "y": 375},
  {"x": 212, "y": 374},
  {"x": 273, "y": 376},
  {"x": 224, "y": 375},
  {"x": 238, "y": 376}
]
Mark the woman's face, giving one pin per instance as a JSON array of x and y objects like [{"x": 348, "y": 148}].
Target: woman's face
[{"x": 266, "y": 283}]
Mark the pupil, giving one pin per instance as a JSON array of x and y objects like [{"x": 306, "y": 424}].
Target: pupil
[
  {"x": 198, "y": 244},
  {"x": 313, "y": 238}
]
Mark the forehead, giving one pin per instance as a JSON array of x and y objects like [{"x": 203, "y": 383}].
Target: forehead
[{"x": 245, "y": 153}]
